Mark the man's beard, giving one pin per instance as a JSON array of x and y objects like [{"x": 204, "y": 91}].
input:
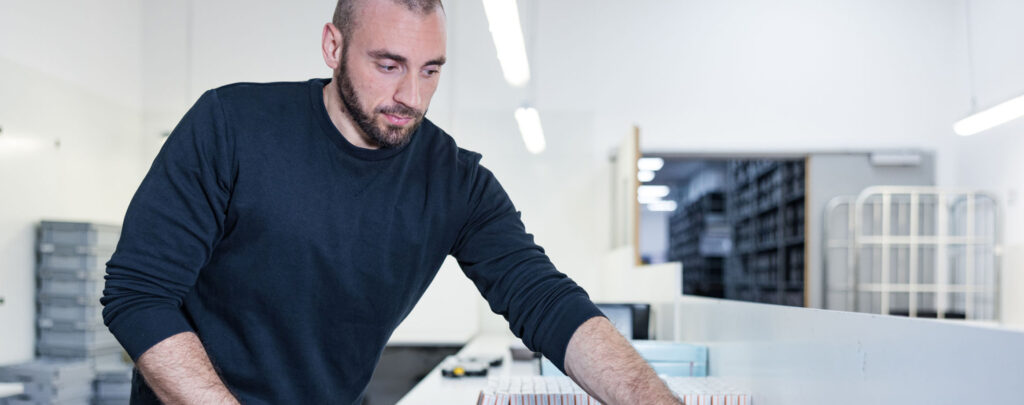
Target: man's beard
[{"x": 384, "y": 135}]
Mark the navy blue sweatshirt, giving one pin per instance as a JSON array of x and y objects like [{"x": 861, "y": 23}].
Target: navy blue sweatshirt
[{"x": 294, "y": 254}]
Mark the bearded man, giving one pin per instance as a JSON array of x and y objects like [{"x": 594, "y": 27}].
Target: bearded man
[{"x": 286, "y": 229}]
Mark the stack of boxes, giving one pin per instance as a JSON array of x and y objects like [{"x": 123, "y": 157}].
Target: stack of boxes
[
  {"x": 49, "y": 382},
  {"x": 72, "y": 262},
  {"x": 77, "y": 354}
]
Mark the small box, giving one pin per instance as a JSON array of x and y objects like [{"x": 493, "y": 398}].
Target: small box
[
  {"x": 88, "y": 261},
  {"x": 71, "y": 288},
  {"x": 82, "y": 314},
  {"x": 76, "y": 339},
  {"x": 48, "y": 371},
  {"x": 78, "y": 234}
]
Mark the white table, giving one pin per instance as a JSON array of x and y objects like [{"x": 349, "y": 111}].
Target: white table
[{"x": 464, "y": 390}]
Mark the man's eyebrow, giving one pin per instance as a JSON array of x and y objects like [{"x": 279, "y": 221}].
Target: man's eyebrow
[
  {"x": 385, "y": 54},
  {"x": 436, "y": 61}
]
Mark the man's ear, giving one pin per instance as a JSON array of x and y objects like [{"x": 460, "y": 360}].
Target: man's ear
[{"x": 331, "y": 46}]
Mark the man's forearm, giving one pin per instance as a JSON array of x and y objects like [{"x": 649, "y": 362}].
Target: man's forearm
[
  {"x": 180, "y": 372},
  {"x": 604, "y": 364}
]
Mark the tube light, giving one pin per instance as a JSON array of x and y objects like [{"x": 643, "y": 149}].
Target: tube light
[
  {"x": 645, "y": 176},
  {"x": 503, "y": 21},
  {"x": 662, "y": 206},
  {"x": 529, "y": 125},
  {"x": 1000, "y": 114},
  {"x": 652, "y": 191},
  {"x": 650, "y": 163}
]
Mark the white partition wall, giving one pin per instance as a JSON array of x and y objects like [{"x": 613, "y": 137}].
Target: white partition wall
[{"x": 796, "y": 356}]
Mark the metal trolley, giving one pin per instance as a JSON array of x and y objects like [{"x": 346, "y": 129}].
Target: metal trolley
[{"x": 914, "y": 251}]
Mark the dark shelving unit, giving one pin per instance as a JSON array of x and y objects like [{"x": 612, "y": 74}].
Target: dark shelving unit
[
  {"x": 765, "y": 207},
  {"x": 700, "y": 237}
]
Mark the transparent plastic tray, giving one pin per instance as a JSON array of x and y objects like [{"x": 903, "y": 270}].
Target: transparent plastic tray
[
  {"x": 78, "y": 233},
  {"x": 76, "y": 339},
  {"x": 58, "y": 393},
  {"x": 83, "y": 261},
  {"x": 48, "y": 372},
  {"x": 66, "y": 274},
  {"x": 71, "y": 288},
  {"x": 79, "y": 353},
  {"x": 86, "y": 314}
]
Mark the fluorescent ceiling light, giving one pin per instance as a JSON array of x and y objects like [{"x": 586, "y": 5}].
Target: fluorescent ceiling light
[
  {"x": 645, "y": 176},
  {"x": 503, "y": 20},
  {"x": 652, "y": 191},
  {"x": 651, "y": 164},
  {"x": 529, "y": 126},
  {"x": 1004, "y": 112},
  {"x": 663, "y": 206}
]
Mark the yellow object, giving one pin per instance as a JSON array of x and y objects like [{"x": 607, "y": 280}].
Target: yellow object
[{"x": 459, "y": 371}]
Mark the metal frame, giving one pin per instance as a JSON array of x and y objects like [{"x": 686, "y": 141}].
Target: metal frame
[{"x": 890, "y": 221}]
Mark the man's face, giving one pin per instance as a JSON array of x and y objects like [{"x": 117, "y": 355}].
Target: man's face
[{"x": 390, "y": 67}]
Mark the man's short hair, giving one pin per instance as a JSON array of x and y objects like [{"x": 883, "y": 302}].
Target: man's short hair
[{"x": 346, "y": 9}]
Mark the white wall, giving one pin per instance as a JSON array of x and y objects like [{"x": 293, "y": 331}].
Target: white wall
[
  {"x": 992, "y": 160},
  {"x": 69, "y": 72},
  {"x": 701, "y": 76}
]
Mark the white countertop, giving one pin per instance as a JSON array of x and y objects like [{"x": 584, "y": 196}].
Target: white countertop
[
  {"x": 465, "y": 390},
  {"x": 11, "y": 389}
]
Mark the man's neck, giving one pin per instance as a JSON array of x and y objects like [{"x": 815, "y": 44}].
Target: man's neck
[{"x": 342, "y": 120}]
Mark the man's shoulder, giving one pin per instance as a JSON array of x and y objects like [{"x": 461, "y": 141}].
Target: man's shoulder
[
  {"x": 445, "y": 144},
  {"x": 265, "y": 92}
]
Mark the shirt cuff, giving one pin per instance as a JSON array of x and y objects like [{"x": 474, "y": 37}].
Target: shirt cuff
[
  {"x": 144, "y": 327},
  {"x": 572, "y": 312}
]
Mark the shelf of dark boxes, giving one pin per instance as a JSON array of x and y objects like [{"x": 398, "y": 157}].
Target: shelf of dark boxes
[
  {"x": 766, "y": 209},
  {"x": 699, "y": 238}
]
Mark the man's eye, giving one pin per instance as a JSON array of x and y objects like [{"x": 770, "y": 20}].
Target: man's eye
[
  {"x": 431, "y": 72},
  {"x": 387, "y": 68}
]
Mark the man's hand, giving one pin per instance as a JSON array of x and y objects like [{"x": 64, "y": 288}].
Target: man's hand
[
  {"x": 179, "y": 372},
  {"x": 604, "y": 364}
]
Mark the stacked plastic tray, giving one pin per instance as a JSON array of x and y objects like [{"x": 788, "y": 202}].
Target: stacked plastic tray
[
  {"x": 72, "y": 262},
  {"x": 51, "y": 382},
  {"x": 113, "y": 384}
]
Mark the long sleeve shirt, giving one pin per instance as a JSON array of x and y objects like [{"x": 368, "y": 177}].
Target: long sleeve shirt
[{"x": 294, "y": 255}]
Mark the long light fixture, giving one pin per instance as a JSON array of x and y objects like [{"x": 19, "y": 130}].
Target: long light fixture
[
  {"x": 503, "y": 20},
  {"x": 529, "y": 125},
  {"x": 1000, "y": 114},
  {"x": 650, "y": 163},
  {"x": 662, "y": 206}
]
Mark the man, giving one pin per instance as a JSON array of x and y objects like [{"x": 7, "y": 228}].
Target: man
[{"x": 286, "y": 229}]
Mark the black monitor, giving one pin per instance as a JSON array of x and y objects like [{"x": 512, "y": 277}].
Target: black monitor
[{"x": 631, "y": 319}]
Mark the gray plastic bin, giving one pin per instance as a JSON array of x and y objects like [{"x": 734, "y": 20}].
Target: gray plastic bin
[
  {"x": 71, "y": 288},
  {"x": 78, "y": 233},
  {"x": 69, "y": 326},
  {"x": 113, "y": 390},
  {"x": 87, "y": 339},
  {"x": 95, "y": 273},
  {"x": 58, "y": 393},
  {"x": 75, "y": 262},
  {"x": 79, "y": 353},
  {"x": 80, "y": 314},
  {"x": 48, "y": 371}
]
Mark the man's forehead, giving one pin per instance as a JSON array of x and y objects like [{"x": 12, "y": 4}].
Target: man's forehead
[{"x": 386, "y": 24}]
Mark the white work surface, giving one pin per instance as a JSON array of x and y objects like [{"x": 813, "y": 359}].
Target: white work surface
[
  {"x": 465, "y": 390},
  {"x": 11, "y": 389}
]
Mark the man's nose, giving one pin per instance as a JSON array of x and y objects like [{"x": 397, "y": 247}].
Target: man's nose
[{"x": 408, "y": 91}]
